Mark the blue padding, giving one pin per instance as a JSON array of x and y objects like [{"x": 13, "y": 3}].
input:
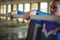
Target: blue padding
[
  {"x": 20, "y": 12},
  {"x": 38, "y": 12}
]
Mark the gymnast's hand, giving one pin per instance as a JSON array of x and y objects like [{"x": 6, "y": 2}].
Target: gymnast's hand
[
  {"x": 26, "y": 16},
  {"x": 9, "y": 14}
]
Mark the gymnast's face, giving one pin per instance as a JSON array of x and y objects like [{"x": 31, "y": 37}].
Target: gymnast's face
[{"x": 55, "y": 8}]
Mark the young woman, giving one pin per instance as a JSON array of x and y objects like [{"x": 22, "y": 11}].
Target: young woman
[{"x": 55, "y": 10}]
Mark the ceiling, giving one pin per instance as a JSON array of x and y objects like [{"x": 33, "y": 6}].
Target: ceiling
[{"x": 23, "y": 0}]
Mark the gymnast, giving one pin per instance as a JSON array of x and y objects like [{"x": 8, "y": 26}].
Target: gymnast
[{"x": 55, "y": 10}]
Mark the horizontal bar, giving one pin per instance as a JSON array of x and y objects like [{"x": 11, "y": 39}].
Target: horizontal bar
[
  {"x": 53, "y": 17},
  {"x": 18, "y": 16},
  {"x": 15, "y": 16},
  {"x": 3, "y": 15}
]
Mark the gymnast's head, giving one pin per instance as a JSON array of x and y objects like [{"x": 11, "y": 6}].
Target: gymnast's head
[{"x": 55, "y": 7}]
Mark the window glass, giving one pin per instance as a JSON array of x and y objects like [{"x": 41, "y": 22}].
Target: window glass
[
  {"x": 14, "y": 6},
  {"x": 34, "y": 6},
  {"x": 4, "y": 9},
  {"x": 0, "y": 8},
  {"x": 20, "y": 7},
  {"x": 43, "y": 6},
  {"x": 9, "y": 7},
  {"x": 27, "y": 7}
]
